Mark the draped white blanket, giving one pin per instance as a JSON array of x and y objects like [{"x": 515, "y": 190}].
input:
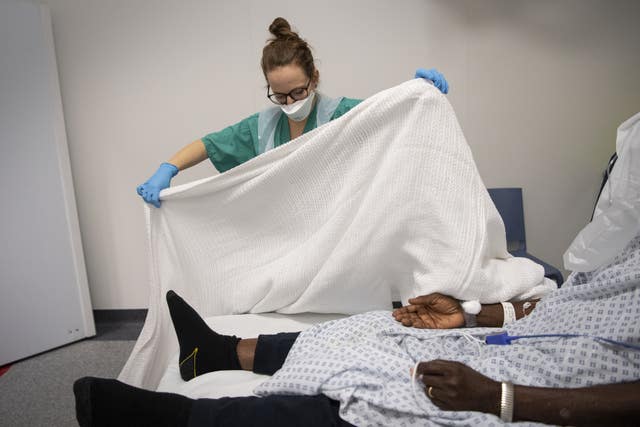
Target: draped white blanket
[{"x": 384, "y": 202}]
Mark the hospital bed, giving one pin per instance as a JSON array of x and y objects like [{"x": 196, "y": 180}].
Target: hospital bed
[
  {"x": 242, "y": 383},
  {"x": 236, "y": 383}
]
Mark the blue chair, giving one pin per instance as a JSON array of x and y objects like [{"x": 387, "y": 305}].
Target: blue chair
[{"x": 509, "y": 204}]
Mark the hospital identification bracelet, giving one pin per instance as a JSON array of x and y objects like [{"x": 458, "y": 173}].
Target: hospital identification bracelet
[
  {"x": 509, "y": 313},
  {"x": 506, "y": 402}
]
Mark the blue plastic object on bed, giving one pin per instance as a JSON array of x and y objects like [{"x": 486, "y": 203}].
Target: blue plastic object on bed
[{"x": 509, "y": 204}]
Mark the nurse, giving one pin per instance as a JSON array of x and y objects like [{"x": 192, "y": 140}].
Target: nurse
[{"x": 292, "y": 81}]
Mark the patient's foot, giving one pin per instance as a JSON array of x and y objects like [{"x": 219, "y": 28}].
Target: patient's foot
[
  {"x": 107, "y": 402},
  {"x": 201, "y": 349}
]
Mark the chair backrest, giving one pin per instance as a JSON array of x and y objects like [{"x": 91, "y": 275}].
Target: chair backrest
[{"x": 509, "y": 204}]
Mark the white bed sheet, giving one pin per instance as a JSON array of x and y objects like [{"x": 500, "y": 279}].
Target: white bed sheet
[{"x": 236, "y": 383}]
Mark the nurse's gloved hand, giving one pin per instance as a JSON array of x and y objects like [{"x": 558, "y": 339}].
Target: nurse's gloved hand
[
  {"x": 435, "y": 76},
  {"x": 150, "y": 190}
]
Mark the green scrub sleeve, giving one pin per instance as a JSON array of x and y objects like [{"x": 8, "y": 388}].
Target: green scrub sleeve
[
  {"x": 233, "y": 145},
  {"x": 344, "y": 106},
  {"x": 236, "y": 144}
]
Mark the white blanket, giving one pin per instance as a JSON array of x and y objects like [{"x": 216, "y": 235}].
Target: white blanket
[{"x": 383, "y": 203}]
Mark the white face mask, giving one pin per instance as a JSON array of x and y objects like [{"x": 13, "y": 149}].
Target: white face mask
[{"x": 299, "y": 110}]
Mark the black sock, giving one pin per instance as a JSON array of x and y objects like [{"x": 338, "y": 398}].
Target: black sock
[
  {"x": 202, "y": 350},
  {"x": 107, "y": 402}
]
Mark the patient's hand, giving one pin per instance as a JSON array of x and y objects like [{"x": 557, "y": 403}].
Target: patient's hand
[
  {"x": 433, "y": 311},
  {"x": 453, "y": 386}
]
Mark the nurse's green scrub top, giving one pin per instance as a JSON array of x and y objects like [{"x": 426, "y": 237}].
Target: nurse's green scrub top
[{"x": 235, "y": 145}]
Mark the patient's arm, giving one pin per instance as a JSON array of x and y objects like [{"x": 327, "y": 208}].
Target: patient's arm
[
  {"x": 456, "y": 387},
  {"x": 438, "y": 311},
  {"x": 493, "y": 314}
]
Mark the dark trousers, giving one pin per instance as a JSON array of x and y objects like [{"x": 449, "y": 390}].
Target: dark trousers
[{"x": 271, "y": 352}]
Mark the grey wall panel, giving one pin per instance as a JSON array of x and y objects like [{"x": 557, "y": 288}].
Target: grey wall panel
[{"x": 44, "y": 299}]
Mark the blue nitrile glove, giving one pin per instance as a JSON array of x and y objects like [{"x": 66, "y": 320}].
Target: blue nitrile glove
[
  {"x": 150, "y": 190},
  {"x": 435, "y": 76}
]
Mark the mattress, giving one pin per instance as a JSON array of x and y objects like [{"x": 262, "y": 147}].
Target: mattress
[{"x": 236, "y": 383}]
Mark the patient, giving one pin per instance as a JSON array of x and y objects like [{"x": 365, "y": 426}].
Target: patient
[{"x": 337, "y": 373}]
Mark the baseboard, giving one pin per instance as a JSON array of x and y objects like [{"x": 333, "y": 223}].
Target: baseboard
[
  {"x": 116, "y": 325},
  {"x": 124, "y": 315}
]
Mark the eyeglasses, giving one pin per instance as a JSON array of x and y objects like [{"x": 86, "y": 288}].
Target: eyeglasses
[{"x": 296, "y": 94}]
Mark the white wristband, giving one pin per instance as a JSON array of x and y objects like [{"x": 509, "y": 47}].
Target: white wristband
[
  {"x": 509, "y": 313},
  {"x": 506, "y": 403}
]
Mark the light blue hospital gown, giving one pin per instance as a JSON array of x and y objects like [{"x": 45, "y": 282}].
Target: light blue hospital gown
[{"x": 363, "y": 361}]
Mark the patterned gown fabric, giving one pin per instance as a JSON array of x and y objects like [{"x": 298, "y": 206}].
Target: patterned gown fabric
[
  {"x": 384, "y": 203},
  {"x": 364, "y": 361}
]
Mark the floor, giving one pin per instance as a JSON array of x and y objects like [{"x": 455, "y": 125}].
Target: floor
[{"x": 38, "y": 391}]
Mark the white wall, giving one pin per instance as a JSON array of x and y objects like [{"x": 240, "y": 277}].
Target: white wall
[{"x": 539, "y": 88}]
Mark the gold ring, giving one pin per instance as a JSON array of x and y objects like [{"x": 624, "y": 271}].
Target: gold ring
[{"x": 429, "y": 392}]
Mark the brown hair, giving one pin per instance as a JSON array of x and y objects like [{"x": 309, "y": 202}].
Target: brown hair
[{"x": 285, "y": 48}]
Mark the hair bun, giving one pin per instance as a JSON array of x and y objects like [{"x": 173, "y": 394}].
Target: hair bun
[
  {"x": 286, "y": 47},
  {"x": 280, "y": 28}
]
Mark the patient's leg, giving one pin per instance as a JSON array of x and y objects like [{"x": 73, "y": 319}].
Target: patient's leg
[
  {"x": 104, "y": 402},
  {"x": 107, "y": 402},
  {"x": 203, "y": 350},
  {"x": 270, "y": 352}
]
